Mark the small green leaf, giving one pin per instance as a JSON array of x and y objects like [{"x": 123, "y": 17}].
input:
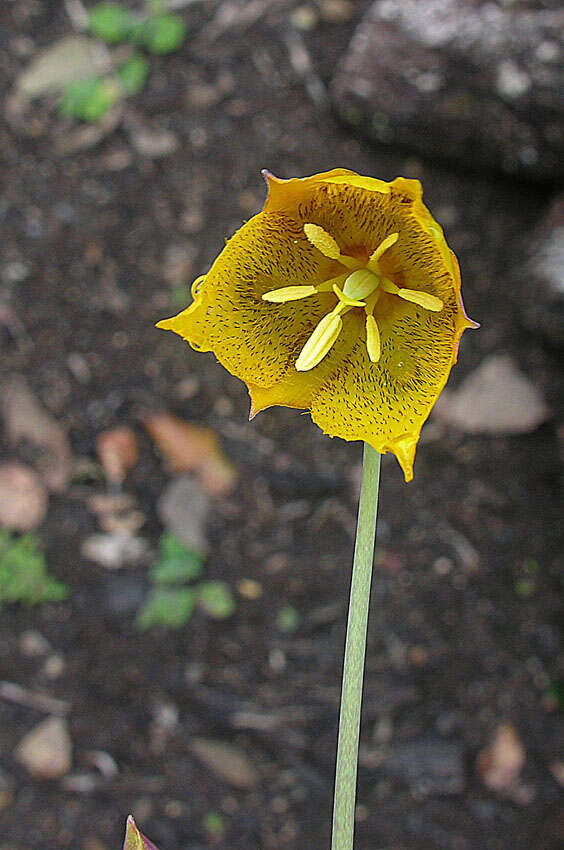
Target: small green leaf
[
  {"x": 216, "y": 599},
  {"x": 177, "y": 564},
  {"x": 288, "y": 619},
  {"x": 23, "y": 572},
  {"x": 161, "y": 34},
  {"x": 110, "y": 22},
  {"x": 525, "y": 587},
  {"x": 77, "y": 95},
  {"x": 213, "y": 824},
  {"x": 168, "y": 607},
  {"x": 133, "y": 74},
  {"x": 90, "y": 99}
]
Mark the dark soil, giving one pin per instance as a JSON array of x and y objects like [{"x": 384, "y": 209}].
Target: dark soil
[{"x": 455, "y": 649}]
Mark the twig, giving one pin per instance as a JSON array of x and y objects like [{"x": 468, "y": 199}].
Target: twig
[
  {"x": 301, "y": 63},
  {"x": 12, "y": 692}
]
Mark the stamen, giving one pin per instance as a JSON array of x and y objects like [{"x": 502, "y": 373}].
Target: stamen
[
  {"x": 325, "y": 243},
  {"x": 361, "y": 283},
  {"x": 373, "y": 343},
  {"x": 289, "y": 293},
  {"x": 322, "y": 240},
  {"x": 381, "y": 249},
  {"x": 344, "y": 299},
  {"x": 423, "y": 299},
  {"x": 320, "y": 342}
]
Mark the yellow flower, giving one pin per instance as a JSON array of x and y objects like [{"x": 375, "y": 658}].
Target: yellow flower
[{"x": 342, "y": 297}]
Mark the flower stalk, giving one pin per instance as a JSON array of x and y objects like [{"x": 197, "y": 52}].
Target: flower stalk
[{"x": 355, "y": 653}]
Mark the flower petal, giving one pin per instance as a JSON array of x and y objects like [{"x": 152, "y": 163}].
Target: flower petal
[
  {"x": 254, "y": 340},
  {"x": 387, "y": 403}
]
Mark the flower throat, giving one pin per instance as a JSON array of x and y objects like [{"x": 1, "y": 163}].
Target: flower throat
[{"x": 360, "y": 286}]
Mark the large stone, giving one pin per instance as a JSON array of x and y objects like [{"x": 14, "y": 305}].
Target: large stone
[{"x": 476, "y": 82}]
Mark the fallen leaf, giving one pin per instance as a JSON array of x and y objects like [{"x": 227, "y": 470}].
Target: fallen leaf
[
  {"x": 46, "y": 751},
  {"x": 118, "y": 453},
  {"x": 190, "y": 448},
  {"x": 67, "y": 60},
  {"x": 23, "y": 497},
  {"x": 26, "y": 419},
  {"x": 226, "y": 761},
  {"x": 500, "y": 763},
  {"x": 495, "y": 399}
]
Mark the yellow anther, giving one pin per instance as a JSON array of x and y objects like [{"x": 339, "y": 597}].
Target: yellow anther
[
  {"x": 289, "y": 293},
  {"x": 423, "y": 299},
  {"x": 325, "y": 243},
  {"x": 360, "y": 284},
  {"x": 373, "y": 343},
  {"x": 322, "y": 240},
  {"x": 320, "y": 342},
  {"x": 381, "y": 249},
  {"x": 344, "y": 299}
]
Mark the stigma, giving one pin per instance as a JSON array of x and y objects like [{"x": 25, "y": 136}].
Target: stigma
[{"x": 359, "y": 287}]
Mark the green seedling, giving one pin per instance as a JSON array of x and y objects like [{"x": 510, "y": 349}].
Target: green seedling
[
  {"x": 23, "y": 572},
  {"x": 161, "y": 34},
  {"x": 110, "y": 22},
  {"x": 90, "y": 99},
  {"x": 171, "y": 603},
  {"x": 216, "y": 599},
  {"x": 288, "y": 619},
  {"x": 213, "y": 824},
  {"x": 133, "y": 74},
  {"x": 170, "y": 607},
  {"x": 177, "y": 564}
]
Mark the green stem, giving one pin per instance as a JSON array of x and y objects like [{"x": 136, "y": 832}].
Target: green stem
[{"x": 355, "y": 651}]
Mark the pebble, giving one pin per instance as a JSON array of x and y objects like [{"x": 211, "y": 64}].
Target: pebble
[
  {"x": 46, "y": 751},
  {"x": 32, "y": 644},
  {"x": 23, "y": 497},
  {"x": 114, "y": 550},
  {"x": 227, "y": 761}
]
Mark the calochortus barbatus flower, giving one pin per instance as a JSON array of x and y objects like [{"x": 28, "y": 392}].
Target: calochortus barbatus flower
[{"x": 341, "y": 297}]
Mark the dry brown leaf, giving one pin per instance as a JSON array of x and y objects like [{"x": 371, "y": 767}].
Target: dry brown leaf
[
  {"x": 25, "y": 419},
  {"x": 190, "y": 448},
  {"x": 118, "y": 453},
  {"x": 23, "y": 497}
]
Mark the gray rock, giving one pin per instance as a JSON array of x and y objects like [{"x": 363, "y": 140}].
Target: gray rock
[
  {"x": 429, "y": 765},
  {"x": 477, "y": 82},
  {"x": 496, "y": 398},
  {"x": 541, "y": 278},
  {"x": 183, "y": 509}
]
